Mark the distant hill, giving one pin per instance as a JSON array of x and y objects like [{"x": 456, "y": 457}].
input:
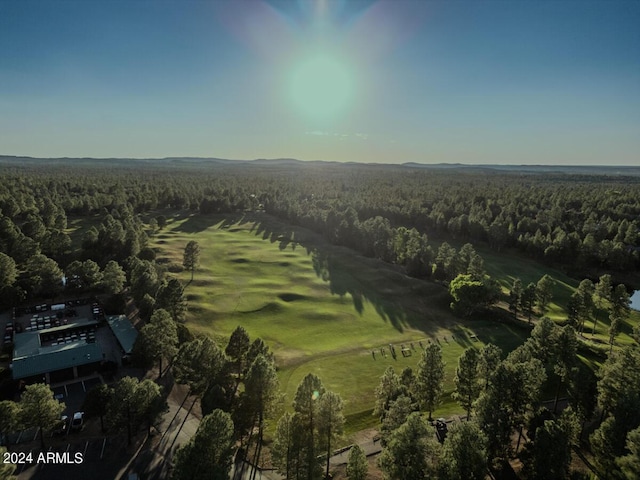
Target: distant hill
[
  {"x": 575, "y": 169},
  {"x": 283, "y": 162}
]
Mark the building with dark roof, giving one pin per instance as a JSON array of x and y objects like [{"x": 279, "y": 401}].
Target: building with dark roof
[
  {"x": 58, "y": 353},
  {"x": 124, "y": 332}
]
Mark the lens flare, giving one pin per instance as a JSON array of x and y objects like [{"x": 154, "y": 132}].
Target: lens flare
[{"x": 321, "y": 86}]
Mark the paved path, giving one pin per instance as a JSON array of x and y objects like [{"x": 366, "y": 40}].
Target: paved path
[
  {"x": 179, "y": 424},
  {"x": 370, "y": 447}
]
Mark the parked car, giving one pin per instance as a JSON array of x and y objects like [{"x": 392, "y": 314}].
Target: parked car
[{"x": 78, "y": 421}]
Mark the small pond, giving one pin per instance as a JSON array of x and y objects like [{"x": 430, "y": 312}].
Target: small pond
[{"x": 635, "y": 300}]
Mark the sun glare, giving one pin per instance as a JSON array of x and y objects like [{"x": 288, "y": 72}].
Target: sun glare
[{"x": 321, "y": 86}]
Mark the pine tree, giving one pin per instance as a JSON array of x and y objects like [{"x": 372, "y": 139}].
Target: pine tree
[
  {"x": 191, "y": 258},
  {"x": 208, "y": 454},
  {"x": 515, "y": 296},
  {"x": 544, "y": 293},
  {"x": 305, "y": 404},
  {"x": 464, "y": 453},
  {"x": 330, "y": 421},
  {"x": 357, "y": 464},
  {"x": 467, "y": 386},
  {"x": 412, "y": 452},
  {"x": 40, "y": 409},
  {"x": 430, "y": 377}
]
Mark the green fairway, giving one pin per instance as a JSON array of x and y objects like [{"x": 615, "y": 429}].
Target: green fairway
[{"x": 323, "y": 309}]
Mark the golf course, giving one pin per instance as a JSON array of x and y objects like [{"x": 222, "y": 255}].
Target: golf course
[{"x": 326, "y": 309}]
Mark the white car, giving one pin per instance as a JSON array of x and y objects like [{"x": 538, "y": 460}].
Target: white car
[{"x": 78, "y": 421}]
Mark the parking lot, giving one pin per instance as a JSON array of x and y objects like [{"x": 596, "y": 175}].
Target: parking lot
[
  {"x": 73, "y": 393},
  {"x": 98, "y": 458}
]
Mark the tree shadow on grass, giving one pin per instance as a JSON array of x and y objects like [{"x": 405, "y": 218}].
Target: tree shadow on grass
[
  {"x": 397, "y": 299},
  {"x": 463, "y": 337},
  {"x": 506, "y": 336},
  {"x": 197, "y": 223}
]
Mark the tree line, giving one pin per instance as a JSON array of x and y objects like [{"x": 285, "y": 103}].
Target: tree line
[{"x": 587, "y": 224}]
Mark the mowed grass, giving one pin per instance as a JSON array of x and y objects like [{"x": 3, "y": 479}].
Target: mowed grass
[
  {"x": 321, "y": 308},
  {"x": 507, "y": 265}
]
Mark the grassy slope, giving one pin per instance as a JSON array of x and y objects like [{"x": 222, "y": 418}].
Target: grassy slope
[
  {"x": 506, "y": 266},
  {"x": 322, "y": 309}
]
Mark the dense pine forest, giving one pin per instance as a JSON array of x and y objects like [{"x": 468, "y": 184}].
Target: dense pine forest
[
  {"x": 586, "y": 225},
  {"x": 94, "y": 223}
]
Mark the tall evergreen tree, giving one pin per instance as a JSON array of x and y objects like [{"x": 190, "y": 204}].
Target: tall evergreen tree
[
  {"x": 529, "y": 300},
  {"x": 544, "y": 293},
  {"x": 208, "y": 454},
  {"x": 286, "y": 451},
  {"x": 238, "y": 348},
  {"x": 490, "y": 357},
  {"x": 549, "y": 455},
  {"x": 464, "y": 455},
  {"x": 158, "y": 339},
  {"x": 262, "y": 391},
  {"x": 171, "y": 298},
  {"x": 412, "y": 452},
  {"x": 9, "y": 420},
  {"x": 113, "y": 278},
  {"x": 40, "y": 409},
  {"x": 630, "y": 463},
  {"x": 191, "y": 258},
  {"x": 466, "y": 381},
  {"x": 198, "y": 364},
  {"x": 330, "y": 421},
  {"x": 388, "y": 390},
  {"x": 618, "y": 312},
  {"x": 585, "y": 293},
  {"x": 514, "y": 389},
  {"x": 565, "y": 358},
  {"x": 305, "y": 404},
  {"x": 357, "y": 466},
  {"x": 602, "y": 296},
  {"x": 398, "y": 412},
  {"x": 515, "y": 296},
  {"x": 430, "y": 377}
]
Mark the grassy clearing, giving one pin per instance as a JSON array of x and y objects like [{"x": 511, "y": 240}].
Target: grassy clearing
[
  {"x": 508, "y": 265},
  {"x": 321, "y": 308},
  {"x": 77, "y": 227}
]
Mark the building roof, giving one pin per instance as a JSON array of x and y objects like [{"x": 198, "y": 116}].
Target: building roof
[
  {"x": 124, "y": 331},
  {"x": 83, "y": 322},
  {"x": 31, "y": 359}
]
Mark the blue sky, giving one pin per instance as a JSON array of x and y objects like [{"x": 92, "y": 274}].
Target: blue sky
[{"x": 516, "y": 82}]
